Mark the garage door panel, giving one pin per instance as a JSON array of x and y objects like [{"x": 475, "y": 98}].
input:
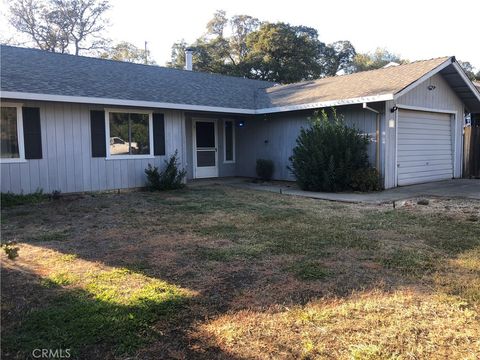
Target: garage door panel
[
  {"x": 442, "y": 118},
  {"x": 421, "y": 160},
  {"x": 424, "y": 147},
  {"x": 426, "y": 133},
  {"x": 425, "y": 168},
  {"x": 421, "y": 163},
  {"x": 424, "y": 125},
  {"x": 428, "y": 148},
  {"x": 434, "y": 140},
  {"x": 423, "y": 115},
  {"x": 422, "y": 179},
  {"x": 420, "y": 174}
]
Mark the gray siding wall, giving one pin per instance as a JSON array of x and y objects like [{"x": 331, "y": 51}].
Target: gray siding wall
[
  {"x": 441, "y": 98},
  {"x": 67, "y": 164},
  {"x": 274, "y": 137}
]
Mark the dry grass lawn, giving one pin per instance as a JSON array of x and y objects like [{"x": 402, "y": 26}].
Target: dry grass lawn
[{"x": 215, "y": 272}]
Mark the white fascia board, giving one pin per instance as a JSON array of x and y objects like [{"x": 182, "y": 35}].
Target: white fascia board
[
  {"x": 324, "y": 104},
  {"x": 119, "y": 102},
  {"x": 417, "y": 82},
  {"x": 465, "y": 78},
  {"x": 162, "y": 105}
]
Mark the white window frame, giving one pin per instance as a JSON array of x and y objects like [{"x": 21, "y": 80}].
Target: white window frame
[
  {"x": 107, "y": 134},
  {"x": 21, "y": 140},
  {"x": 225, "y": 161}
]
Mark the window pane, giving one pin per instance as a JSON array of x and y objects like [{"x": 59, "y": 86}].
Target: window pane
[
  {"x": 205, "y": 134},
  {"x": 119, "y": 143},
  {"x": 140, "y": 134},
  {"x": 129, "y": 134},
  {"x": 205, "y": 158},
  {"x": 8, "y": 133},
  {"x": 229, "y": 140}
]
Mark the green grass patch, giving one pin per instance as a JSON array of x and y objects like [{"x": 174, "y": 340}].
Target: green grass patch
[
  {"x": 59, "y": 279},
  {"x": 68, "y": 257},
  {"x": 9, "y": 199},
  {"x": 409, "y": 261},
  {"x": 365, "y": 352},
  {"x": 115, "y": 308},
  {"x": 309, "y": 270}
]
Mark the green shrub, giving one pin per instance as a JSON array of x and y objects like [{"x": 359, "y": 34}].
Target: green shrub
[
  {"x": 9, "y": 199},
  {"x": 366, "y": 179},
  {"x": 329, "y": 155},
  {"x": 265, "y": 169},
  {"x": 169, "y": 179}
]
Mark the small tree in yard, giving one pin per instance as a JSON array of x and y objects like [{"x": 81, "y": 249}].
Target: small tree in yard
[
  {"x": 170, "y": 178},
  {"x": 329, "y": 155}
]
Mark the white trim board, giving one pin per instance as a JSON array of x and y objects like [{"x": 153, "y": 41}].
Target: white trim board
[
  {"x": 174, "y": 106},
  {"x": 453, "y": 119},
  {"x": 194, "y": 147},
  {"x": 107, "y": 135},
  {"x": 472, "y": 87},
  {"x": 426, "y": 109},
  {"x": 225, "y": 161},
  {"x": 428, "y": 75},
  {"x": 120, "y": 102},
  {"x": 449, "y": 61},
  {"x": 324, "y": 104},
  {"x": 20, "y": 137}
]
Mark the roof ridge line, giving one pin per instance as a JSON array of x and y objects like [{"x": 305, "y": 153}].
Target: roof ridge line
[{"x": 136, "y": 64}]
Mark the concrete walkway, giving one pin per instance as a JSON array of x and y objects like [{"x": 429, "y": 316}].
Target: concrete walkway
[{"x": 457, "y": 188}]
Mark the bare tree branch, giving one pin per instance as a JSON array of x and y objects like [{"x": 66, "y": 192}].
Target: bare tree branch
[{"x": 61, "y": 25}]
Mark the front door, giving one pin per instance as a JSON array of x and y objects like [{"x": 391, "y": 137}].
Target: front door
[{"x": 205, "y": 159}]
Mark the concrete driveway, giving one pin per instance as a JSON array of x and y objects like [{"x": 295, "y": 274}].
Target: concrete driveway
[{"x": 457, "y": 188}]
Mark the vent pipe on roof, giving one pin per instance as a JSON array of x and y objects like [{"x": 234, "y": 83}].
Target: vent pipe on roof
[{"x": 189, "y": 59}]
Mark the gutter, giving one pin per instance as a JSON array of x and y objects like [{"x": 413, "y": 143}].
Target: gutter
[{"x": 189, "y": 107}]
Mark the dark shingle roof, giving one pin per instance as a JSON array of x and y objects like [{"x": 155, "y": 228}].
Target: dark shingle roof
[
  {"x": 36, "y": 71},
  {"x": 40, "y": 72}
]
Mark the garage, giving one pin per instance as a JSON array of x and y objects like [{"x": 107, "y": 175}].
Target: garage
[{"x": 425, "y": 149}]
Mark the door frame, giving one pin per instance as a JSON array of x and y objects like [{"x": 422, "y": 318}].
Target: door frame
[{"x": 194, "y": 145}]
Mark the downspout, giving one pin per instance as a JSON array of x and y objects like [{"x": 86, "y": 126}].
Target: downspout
[{"x": 377, "y": 135}]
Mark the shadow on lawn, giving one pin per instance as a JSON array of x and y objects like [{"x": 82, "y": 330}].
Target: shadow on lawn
[
  {"x": 145, "y": 246},
  {"x": 58, "y": 318}
]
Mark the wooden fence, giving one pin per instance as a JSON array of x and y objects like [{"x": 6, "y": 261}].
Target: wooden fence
[{"x": 471, "y": 152}]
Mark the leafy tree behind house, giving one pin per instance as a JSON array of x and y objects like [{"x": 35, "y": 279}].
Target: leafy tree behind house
[
  {"x": 128, "y": 52},
  {"x": 253, "y": 49},
  {"x": 65, "y": 26},
  {"x": 284, "y": 53},
  {"x": 469, "y": 69},
  {"x": 375, "y": 60}
]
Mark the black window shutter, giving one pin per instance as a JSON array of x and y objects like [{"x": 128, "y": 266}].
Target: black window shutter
[
  {"x": 158, "y": 134},
  {"x": 32, "y": 133},
  {"x": 97, "y": 126}
]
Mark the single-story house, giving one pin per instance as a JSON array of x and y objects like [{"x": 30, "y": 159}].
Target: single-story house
[{"x": 74, "y": 123}]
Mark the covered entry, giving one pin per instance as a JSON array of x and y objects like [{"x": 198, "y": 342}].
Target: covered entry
[{"x": 424, "y": 147}]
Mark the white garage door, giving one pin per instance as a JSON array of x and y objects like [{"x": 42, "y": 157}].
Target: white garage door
[{"x": 424, "y": 147}]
